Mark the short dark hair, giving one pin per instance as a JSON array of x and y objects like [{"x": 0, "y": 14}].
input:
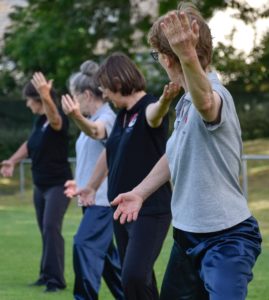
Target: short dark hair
[
  {"x": 29, "y": 91},
  {"x": 119, "y": 74}
]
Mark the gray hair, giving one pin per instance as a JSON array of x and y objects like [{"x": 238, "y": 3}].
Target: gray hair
[{"x": 85, "y": 79}]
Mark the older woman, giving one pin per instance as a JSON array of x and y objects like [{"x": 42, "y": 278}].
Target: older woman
[
  {"x": 213, "y": 228},
  {"x": 94, "y": 253}
]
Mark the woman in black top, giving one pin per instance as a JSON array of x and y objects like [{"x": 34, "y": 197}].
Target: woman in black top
[
  {"x": 47, "y": 147},
  {"x": 136, "y": 143}
]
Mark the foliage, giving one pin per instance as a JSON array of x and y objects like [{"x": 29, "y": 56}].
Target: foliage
[{"x": 56, "y": 36}]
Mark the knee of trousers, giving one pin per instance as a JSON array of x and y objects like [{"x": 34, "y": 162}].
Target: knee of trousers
[
  {"x": 79, "y": 242},
  {"x": 51, "y": 229},
  {"x": 135, "y": 280}
]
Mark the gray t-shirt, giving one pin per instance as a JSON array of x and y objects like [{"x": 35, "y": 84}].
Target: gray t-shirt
[
  {"x": 88, "y": 151},
  {"x": 205, "y": 162}
]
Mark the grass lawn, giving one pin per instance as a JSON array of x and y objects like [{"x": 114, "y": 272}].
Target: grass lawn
[{"x": 20, "y": 239}]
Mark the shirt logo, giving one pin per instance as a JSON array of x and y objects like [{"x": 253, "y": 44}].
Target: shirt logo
[
  {"x": 45, "y": 125},
  {"x": 133, "y": 120}
]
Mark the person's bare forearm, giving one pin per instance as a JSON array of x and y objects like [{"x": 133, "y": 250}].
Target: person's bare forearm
[
  {"x": 99, "y": 173},
  {"x": 158, "y": 176},
  {"x": 156, "y": 112},
  {"x": 96, "y": 130},
  {"x": 51, "y": 111},
  {"x": 20, "y": 154},
  {"x": 198, "y": 84}
]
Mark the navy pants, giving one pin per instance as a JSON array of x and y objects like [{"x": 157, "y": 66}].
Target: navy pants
[
  {"x": 51, "y": 205},
  {"x": 139, "y": 245},
  {"x": 94, "y": 255},
  {"x": 215, "y": 266}
]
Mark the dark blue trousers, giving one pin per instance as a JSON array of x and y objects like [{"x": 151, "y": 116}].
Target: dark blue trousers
[
  {"x": 215, "y": 266},
  {"x": 51, "y": 205},
  {"x": 94, "y": 255}
]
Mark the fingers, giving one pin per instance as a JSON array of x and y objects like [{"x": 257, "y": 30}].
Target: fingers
[
  {"x": 38, "y": 79},
  {"x": 184, "y": 21},
  {"x": 195, "y": 29},
  {"x": 117, "y": 213},
  {"x": 40, "y": 82},
  {"x": 170, "y": 24},
  {"x": 123, "y": 218},
  {"x": 67, "y": 103},
  {"x": 116, "y": 201}
]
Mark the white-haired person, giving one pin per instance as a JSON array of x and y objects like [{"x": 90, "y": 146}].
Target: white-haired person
[{"x": 94, "y": 253}]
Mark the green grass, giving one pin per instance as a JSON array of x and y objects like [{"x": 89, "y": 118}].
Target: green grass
[{"x": 20, "y": 240}]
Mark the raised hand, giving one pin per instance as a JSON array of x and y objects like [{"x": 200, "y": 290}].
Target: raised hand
[
  {"x": 7, "y": 168},
  {"x": 86, "y": 196},
  {"x": 41, "y": 84},
  {"x": 129, "y": 205},
  {"x": 70, "y": 106},
  {"x": 70, "y": 188},
  {"x": 170, "y": 91},
  {"x": 181, "y": 35}
]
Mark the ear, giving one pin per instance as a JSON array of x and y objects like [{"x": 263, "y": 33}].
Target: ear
[
  {"x": 88, "y": 94},
  {"x": 168, "y": 61}
]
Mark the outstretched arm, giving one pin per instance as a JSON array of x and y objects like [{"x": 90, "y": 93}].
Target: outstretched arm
[
  {"x": 129, "y": 204},
  {"x": 183, "y": 38},
  {"x": 156, "y": 111},
  {"x": 7, "y": 166},
  {"x": 44, "y": 87},
  {"x": 94, "y": 129}
]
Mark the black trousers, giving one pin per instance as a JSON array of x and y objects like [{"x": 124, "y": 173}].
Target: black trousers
[
  {"x": 139, "y": 244},
  {"x": 51, "y": 205}
]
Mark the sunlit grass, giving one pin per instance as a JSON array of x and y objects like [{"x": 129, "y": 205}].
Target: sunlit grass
[{"x": 20, "y": 239}]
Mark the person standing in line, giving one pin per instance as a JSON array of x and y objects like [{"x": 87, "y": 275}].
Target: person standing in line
[
  {"x": 136, "y": 143},
  {"x": 94, "y": 253},
  {"x": 47, "y": 146},
  {"x": 213, "y": 227}
]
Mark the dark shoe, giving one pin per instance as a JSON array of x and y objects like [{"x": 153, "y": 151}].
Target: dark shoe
[
  {"x": 51, "y": 288},
  {"x": 39, "y": 282}
]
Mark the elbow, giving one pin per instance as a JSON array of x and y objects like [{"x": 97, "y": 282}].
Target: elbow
[
  {"x": 56, "y": 124},
  {"x": 207, "y": 104}
]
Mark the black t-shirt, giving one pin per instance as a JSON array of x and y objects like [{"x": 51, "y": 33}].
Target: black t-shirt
[
  {"x": 133, "y": 148},
  {"x": 48, "y": 149}
]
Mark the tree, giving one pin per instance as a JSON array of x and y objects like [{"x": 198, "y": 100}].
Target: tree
[{"x": 56, "y": 36}]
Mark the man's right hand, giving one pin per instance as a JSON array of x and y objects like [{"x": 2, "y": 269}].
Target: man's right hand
[{"x": 7, "y": 168}]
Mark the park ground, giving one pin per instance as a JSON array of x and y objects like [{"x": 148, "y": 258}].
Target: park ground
[{"x": 20, "y": 239}]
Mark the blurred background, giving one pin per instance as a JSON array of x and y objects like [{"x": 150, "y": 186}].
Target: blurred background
[{"x": 57, "y": 36}]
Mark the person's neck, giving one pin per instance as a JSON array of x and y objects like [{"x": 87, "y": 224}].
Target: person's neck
[
  {"x": 132, "y": 99},
  {"x": 95, "y": 106}
]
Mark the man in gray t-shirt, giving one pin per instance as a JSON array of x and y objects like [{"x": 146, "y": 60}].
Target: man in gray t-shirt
[{"x": 216, "y": 240}]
